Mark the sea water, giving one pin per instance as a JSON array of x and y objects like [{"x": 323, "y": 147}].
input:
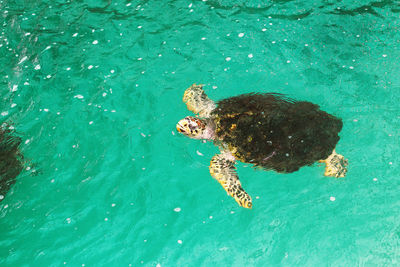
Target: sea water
[{"x": 94, "y": 89}]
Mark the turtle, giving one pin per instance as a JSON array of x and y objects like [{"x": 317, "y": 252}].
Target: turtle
[
  {"x": 11, "y": 159},
  {"x": 269, "y": 130}
]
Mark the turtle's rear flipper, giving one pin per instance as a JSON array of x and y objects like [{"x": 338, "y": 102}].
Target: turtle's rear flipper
[
  {"x": 336, "y": 165},
  {"x": 223, "y": 170},
  {"x": 197, "y": 101}
]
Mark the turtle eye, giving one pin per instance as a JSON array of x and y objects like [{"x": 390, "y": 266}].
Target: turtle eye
[{"x": 199, "y": 123}]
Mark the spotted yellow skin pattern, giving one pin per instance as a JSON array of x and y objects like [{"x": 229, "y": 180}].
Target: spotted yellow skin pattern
[
  {"x": 224, "y": 171},
  {"x": 336, "y": 165},
  {"x": 221, "y": 168},
  {"x": 197, "y": 101}
]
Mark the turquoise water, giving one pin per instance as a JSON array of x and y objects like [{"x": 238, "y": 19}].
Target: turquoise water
[{"x": 94, "y": 89}]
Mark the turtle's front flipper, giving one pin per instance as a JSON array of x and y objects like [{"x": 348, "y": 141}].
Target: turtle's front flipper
[
  {"x": 222, "y": 168},
  {"x": 336, "y": 165},
  {"x": 197, "y": 101}
]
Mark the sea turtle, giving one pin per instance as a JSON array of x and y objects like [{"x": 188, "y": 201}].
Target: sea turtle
[
  {"x": 11, "y": 159},
  {"x": 268, "y": 130}
]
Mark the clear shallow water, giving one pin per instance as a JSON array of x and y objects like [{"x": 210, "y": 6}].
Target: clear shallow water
[{"x": 94, "y": 90}]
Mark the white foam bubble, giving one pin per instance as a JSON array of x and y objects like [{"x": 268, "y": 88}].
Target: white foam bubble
[
  {"x": 250, "y": 55},
  {"x": 14, "y": 88},
  {"x": 75, "y": 34},
  {"x": 78, "y": 96},
  {"x": 23, "y": 59},
  {"x": 37, "y": 67},
  {"x": 177, "y": 209},
  {"x": 199, "y": 153},
  {"x": 228, "y": 59},
  {"x": 332, "y": 198},
  {"x": 4, "y": 113},
  {"x": 240, "y": 35},
  {"x": 90, "y": 67},
  {"x": 179, "y": 241},
  {"x": 375, "y": 179},
  {"x": 95, "y": 42}
]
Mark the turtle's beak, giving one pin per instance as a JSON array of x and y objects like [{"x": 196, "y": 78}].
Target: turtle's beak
[{"x": 179, "y": 127}]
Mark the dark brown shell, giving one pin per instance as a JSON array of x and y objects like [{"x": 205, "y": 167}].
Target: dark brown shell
[{"x": 275, "y": 132}]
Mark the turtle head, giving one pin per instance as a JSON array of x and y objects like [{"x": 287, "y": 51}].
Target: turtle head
[{"x": 192, "y": 127}]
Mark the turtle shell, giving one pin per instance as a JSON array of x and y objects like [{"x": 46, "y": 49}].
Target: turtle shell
[{"x": 275, "y": 132}]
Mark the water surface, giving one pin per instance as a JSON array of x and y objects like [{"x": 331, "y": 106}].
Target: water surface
[{"x": 94, "y": 89}]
